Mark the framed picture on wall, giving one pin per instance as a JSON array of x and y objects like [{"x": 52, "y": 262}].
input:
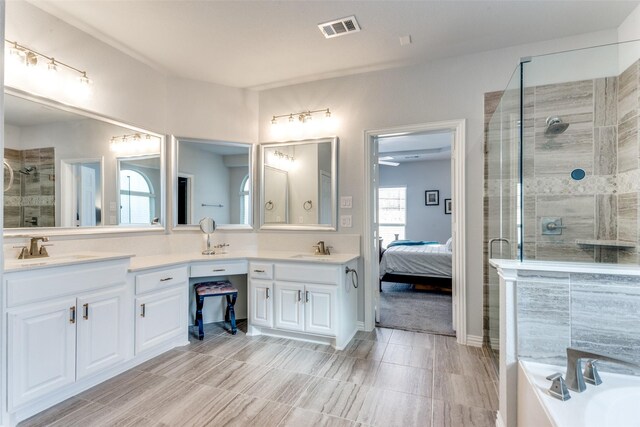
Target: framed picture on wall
[
  {"x": 447, "y": 206},
  {"x": 432, "y": 198}
]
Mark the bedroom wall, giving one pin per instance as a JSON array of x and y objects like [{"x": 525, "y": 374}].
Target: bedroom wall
[{"x": 423, "y": 222}]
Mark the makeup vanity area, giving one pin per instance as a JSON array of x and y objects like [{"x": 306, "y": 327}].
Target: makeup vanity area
[{"x": 78, "y": 317}]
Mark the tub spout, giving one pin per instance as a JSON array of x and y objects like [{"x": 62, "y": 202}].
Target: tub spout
[{"x": 575, "y": 378}]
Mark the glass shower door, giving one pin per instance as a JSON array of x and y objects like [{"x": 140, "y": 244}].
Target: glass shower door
[{"x": 503, "y": 225}]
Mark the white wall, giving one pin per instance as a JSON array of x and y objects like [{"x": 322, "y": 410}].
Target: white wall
[
  {"x": 448, "y": 89},
  {"x": 629, "y": 30},
  {"x": 423, "y": 222}
]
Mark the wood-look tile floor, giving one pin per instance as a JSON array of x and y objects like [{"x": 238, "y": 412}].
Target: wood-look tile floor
[{"x": 383, "y": 378}]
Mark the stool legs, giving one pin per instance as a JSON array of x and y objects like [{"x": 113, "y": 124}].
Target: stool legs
[
  {"x": 199, "y": 304},
  {"x": 230, "y": 315}
]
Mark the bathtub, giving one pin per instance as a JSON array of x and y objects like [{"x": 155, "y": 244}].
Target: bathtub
[{"x": 614, "y": 403}]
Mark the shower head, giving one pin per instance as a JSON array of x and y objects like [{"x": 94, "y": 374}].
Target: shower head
[
  {"x": 27, "y": 170},
  {"x": 555, "y": 126}
]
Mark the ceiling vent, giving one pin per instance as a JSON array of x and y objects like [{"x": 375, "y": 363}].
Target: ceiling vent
[{"x": 339, "y": 27}]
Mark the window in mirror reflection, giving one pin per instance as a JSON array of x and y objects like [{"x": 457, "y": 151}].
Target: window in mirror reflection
[
  {"x": 213, "y": 180},
  {"x": 139, "y": 178}
]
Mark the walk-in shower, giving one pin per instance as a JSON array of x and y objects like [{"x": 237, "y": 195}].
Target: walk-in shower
[{"x": 562, "y": 176}]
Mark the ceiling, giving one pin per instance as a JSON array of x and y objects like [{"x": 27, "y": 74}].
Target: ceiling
[
  {"x": 415, "y": 147},
  {"x": 261, "y": 44}
]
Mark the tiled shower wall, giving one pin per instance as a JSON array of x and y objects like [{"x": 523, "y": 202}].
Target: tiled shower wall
[
  {"x": 33, "y": 195},
  {"x": 602, "y": 139},
  {"x": 556, "y": 310}
]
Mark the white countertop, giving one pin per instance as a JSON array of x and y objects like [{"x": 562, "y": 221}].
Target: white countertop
[
  {"x": 138, "y": 263},
  {"x": 153, "y": 261},
  {"x": 11, "y": 265}
]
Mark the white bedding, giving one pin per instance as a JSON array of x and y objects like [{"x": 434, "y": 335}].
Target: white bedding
[{"x": 417, "y": 260}]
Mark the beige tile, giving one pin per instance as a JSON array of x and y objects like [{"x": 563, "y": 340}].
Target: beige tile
[
  {"x": 221, "y": 346},
  {"x": 465, "y": 390},
  {"x": 628, "y": 217},
  {"x": 364, "y": 349},
  {"x": 324, "y": 348},
  {"x": 628, "y": 92},
  {"x": 447, "y": 414},
  {"x": 181, "y": 365},
  {"x": 302, "y": 361},
  {"x": 605, "y": 150},
  {"x": 390, "y": 409},
  {"x": 244, "y": 411},
  {"x": 605, "y": 100},
  {"x": 281, "y": 386},
  {"x": 298, "y": 417},
  {"x": 232, "y": 375},
  {"x": 261, "y": 353},
  {"x": 201, "y": 407},
  {"x": 628, "y": 145},
  {"x": 54, "y": 413},
  {"x": 127, "y": 383},
  {"x": 460, "y": 359},
  {"x": 418, "y": 357},
  {"x": 337, "y": 398},
  {"x": 606, "y": 216},
  {"x": 415, "y": 339},
  {"x": 351, "y": 369},
  {"x": 404, "y": 379},
  {"x": 378, "y": 334}
]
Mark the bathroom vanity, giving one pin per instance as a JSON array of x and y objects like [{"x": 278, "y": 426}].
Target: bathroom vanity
[{"x": 74, "y": 321}]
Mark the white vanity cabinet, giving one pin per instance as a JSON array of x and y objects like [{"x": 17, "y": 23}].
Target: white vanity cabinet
[
  {"x": 64, "y": 324},
  {"x": 313, "y": 299},
  {"x": 161, "y": 307}
]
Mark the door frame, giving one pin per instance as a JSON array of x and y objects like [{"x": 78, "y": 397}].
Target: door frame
[
  {"x": 68, "y": 192},
  {"x": 371, "y": 250}
]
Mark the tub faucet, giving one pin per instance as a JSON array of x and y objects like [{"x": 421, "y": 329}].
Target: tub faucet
[{"x": 576, "y": 379}]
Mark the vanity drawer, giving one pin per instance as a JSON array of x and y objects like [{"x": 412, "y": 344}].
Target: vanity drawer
[
  {"x": 261, "y": 270},
  {"x": 307, "y": 273},
  {"x": 219, "y": 268},
  {"x": 162, "y": 279}
]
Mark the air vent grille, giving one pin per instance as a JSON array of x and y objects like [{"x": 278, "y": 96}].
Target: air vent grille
[{"x": 339, "y": 27}]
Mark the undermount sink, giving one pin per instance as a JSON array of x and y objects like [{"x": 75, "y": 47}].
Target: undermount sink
[{"x": 313, "y": 257}]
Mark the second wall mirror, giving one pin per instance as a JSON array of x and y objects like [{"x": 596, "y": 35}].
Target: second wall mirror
[
  {"x": 212, "y": 179},
  {"x": 299, "y": 185}
]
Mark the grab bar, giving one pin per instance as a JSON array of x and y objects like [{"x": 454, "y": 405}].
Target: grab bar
[{"x": 497, "y": 239}]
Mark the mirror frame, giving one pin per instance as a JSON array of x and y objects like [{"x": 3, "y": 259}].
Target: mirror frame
[
  {"x": 334, "y": 186},
  {"x": 174, "y": 184},
  {"x": 103, "y": 229}
]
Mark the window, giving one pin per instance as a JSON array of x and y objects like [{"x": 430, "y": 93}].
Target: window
[
  {"x": 245, "y": 209},
  {"x": 137, "y": 200},
  {"x": 392, "y": 213}
]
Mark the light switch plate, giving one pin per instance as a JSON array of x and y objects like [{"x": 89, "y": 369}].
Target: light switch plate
[
  {"x": 345, "y": 221},
  {"x": 346, "y": 202}
]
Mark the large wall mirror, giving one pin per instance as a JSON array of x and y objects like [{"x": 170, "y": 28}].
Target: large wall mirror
[
  {"x": 67, "y": 168},
  {"x": 212, "y": 179},
  {"x": 299, "y": 185}
]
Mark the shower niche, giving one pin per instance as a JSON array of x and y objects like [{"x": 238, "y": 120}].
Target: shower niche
[{"x": 30, "y": 199}]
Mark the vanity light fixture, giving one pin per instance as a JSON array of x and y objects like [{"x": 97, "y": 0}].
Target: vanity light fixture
[
  {"x": 134, "y": 142},
  {"x": 303, "y": 116},
  {"x": 29, "y": 58}
]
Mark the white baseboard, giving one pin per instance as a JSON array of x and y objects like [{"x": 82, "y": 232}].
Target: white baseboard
[
  {"x": 360, "y": 325},
  {"x": 474, "y": 340},
  {"x": 499, "y": 420}
]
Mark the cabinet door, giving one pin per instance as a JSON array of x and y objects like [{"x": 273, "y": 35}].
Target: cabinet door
[
  {"x": 261, "y": 303},
  {"x": 320, "y": 309},
  {"x": 289, "y": 306},
  {"x": 41, "y": 349},
  {"x": 160, "y": 317},
  {"x": 100, "y": 331}
]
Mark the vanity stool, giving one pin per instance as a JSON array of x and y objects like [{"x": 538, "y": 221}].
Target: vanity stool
[{"x": 216, "y": 289}]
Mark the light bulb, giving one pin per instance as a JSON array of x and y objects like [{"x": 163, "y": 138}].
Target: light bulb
[
  {"x": 52, "y": 66},
  {"x": 291, "y": 118},
  {"x": 327, "y": 114},
  {"x": 274, "y": 121}
]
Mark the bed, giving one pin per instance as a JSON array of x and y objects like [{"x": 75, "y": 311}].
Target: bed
[{"x": 424, "y": 264}]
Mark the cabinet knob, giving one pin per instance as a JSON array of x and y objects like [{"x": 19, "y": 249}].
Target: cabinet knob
[
  {"x": 72, "y": 314},
  {"x": 143, "y": 310},
  {"x": 85, "y": 311}
]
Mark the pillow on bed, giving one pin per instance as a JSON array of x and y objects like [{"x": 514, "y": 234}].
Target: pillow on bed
[{"x": 448, "y": 244}]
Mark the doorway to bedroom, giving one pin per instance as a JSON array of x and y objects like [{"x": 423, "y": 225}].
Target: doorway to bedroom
[{"x": 414, "y": 231}]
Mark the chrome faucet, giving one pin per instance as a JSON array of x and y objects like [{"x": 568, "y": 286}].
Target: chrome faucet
[
  {"x": 576, "y": 379},
  {"x": 34, "y": 251}
]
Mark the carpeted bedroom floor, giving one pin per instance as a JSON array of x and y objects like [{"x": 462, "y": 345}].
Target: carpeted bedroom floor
[{"x": 422, "y": 311}]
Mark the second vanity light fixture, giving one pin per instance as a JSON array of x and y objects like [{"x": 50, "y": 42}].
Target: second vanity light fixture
[
  {"x": 30, "y": 58},
  {"x": 135, "y": 142},
  {"x": 302, "y": 116}
]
